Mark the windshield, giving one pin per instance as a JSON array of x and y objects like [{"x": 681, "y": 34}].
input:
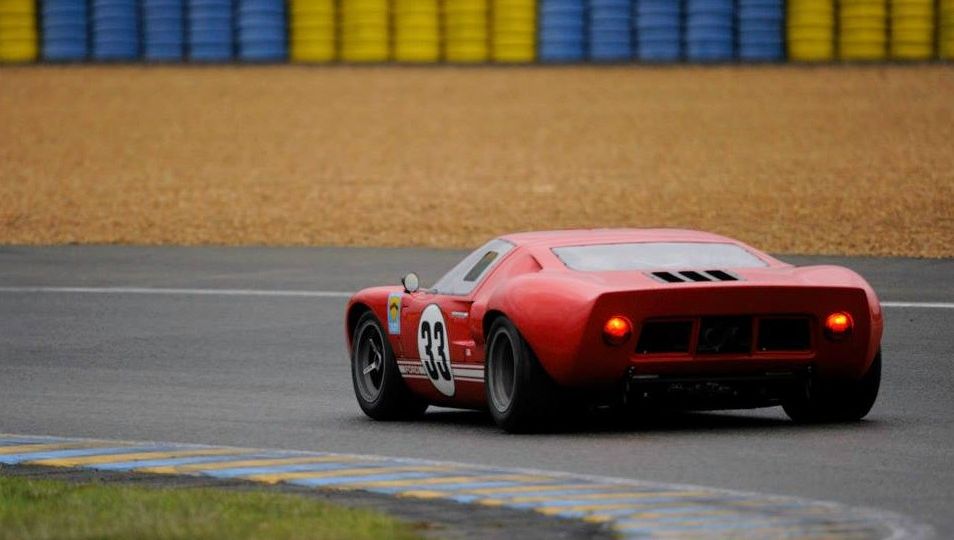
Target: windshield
[
  {"x": 467, "y": 274},
  {"x": 656, "y": 255}
]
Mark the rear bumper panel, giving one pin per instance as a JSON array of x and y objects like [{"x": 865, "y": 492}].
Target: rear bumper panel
[
  {"x": 715, "y": 392},
  {"x": 597, "y": 363}
]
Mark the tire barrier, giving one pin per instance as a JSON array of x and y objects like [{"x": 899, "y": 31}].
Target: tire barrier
[
  {"x": 18, "y": 38},
  {"x": 163, "y": 30},
  {"x": 709, "y": 30},
  {"x": 416, "y": 31},
  {"x": 261, "y": 30},
  {"x": 115, "y": 25},
  {"x": 513, "y": 27},
  {"x": 210, "y": 30},
  {"x": 466, "y": 34},
  {"x": 561, "y": 34},
  {"x": 365, "y": 31},
  {"x": 946, "y": 30},
  {"x": 811, "y": 30},
  {"x": 760, "y": 30},
  {"x": 658, "y": 30},
  {"x": 863, "y": 29},
  {"x": 610, "y": 30},
  {"x": 64, "y": 30},
  {"x": 312, "y": 30},
  {"x": 473, "y": 31},
  {"x": 912, "y": 29}
]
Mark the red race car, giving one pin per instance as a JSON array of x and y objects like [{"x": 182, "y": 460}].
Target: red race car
[{"x": 531, "y": 322}]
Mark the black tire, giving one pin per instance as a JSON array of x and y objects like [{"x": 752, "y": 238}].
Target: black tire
[
  {"x": 378, "y": 385},
  {"x": 837, "y": 401},
  {"x": 520, "y": 395}
]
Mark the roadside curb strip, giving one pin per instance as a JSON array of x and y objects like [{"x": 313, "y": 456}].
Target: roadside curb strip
[{"x": 630, "y": 508}]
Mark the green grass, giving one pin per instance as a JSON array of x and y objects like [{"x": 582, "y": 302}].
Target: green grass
[{"x": 39, "y": 509}]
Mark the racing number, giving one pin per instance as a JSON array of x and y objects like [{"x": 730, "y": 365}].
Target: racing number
[
  {"x": 435, "y": 365},
  {"x": 433, "y": 349}
]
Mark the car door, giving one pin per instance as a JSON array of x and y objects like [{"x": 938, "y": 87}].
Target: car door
[
  {"x": 436, "y": 330},
  {"x": 435, "y": 334}
]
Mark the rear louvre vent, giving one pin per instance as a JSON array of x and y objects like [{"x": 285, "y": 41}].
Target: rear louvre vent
[
  {"x": 722, "y": 276},
  {"x": 665, "y": 337},
  {"x": 668, "y": 277},
  {"x": 694, "y": 276}
]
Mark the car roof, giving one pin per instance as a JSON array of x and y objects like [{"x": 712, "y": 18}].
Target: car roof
[{"x": 575, "y": 237}]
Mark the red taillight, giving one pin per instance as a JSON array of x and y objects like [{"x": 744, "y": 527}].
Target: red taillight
[
  {"x": 617, "y": 330},
  {"x": 838, "y": 325}
]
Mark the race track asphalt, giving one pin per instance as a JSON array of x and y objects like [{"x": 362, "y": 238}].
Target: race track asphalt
[{"x": 271, "y": 371}]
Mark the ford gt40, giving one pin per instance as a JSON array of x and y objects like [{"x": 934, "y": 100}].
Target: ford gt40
[{"x": 530, "y": 323}]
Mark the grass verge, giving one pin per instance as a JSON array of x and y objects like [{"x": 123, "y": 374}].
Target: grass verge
[{"x": 40, "y": 509}]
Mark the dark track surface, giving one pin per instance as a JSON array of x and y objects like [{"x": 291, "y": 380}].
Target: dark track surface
[{"x": 272, "y": 372}]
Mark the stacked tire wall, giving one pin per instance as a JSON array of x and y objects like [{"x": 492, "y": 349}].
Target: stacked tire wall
[
  {"x": 416, "y": 30},
  {"x": 476, "y": 31},
  {"x": 761, "y": 36},
  {"x": 18, "y": 33},
  {"x": 163, "y": 30},
  {"x": 64, "y": 30},
  {"x": 561, "y": 31},
  {"x": 658, "y": 25},
  {"x": 312, "y": 30}
]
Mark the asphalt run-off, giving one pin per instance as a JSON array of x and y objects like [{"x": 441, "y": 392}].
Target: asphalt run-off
[{"x": 243, "y": 348}]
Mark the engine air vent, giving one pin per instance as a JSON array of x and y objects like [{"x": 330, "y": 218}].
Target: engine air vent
[
  {"x": 694, "y": 276},
  {"x": 668, "y": 277},
  {"x": 721, "y": 275}
]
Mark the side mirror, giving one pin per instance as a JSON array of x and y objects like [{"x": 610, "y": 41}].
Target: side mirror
[{"x": 411, "y": 283}]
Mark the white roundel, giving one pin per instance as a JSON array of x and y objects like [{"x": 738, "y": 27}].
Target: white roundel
[{"x": 433, "y": 346}]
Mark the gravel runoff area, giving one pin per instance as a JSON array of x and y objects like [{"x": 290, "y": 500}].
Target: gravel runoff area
[{"x": 795, "y": 159}]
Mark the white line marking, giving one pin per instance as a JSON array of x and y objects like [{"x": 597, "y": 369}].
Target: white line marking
[
  {"x": 300, "y": 294},
  {"x": 186, "y": 292},
  {"x": 926, "y": 305}
]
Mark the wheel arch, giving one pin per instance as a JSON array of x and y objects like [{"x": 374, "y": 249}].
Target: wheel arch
[
  {"x": 355, "y": 312},
  {"x": 551, "y": 313},
  {"x": 490, "y": 318}
]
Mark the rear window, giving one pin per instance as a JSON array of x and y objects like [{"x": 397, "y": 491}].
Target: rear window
[{"x": 655, "y": 255}]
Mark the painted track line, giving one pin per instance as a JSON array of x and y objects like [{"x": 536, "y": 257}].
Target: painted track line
[
  {"x": 922, "y": 305},
  {"x": 630, "y": 508},
  {"x": 178, "y": 292},
  {"x": 299, "y": 294}
]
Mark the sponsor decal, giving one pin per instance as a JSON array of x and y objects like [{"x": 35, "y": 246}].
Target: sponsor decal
[
  {"x": 412, "y": 369},
  {"x": 434, "y": 351},
  {"x": 394, "y": 313}
]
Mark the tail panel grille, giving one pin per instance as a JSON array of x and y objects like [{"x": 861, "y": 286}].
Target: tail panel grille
[{"x": 730, "y": 334}]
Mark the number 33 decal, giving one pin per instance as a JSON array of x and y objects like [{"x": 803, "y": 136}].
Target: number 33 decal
[{"x": 432, "y": 346}]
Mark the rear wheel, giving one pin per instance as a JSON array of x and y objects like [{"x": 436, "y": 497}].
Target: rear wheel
[
  {"x": 378, "y": 386},
  {"x": 520, "y": 394},
  {"x": 837, "y": 401}
]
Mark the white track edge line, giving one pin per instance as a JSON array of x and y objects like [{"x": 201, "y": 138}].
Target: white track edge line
[
  {"x": 925, "y": 305},
  {"x": 301, "y": 294},
  {"x": 182, "y": 292}
]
